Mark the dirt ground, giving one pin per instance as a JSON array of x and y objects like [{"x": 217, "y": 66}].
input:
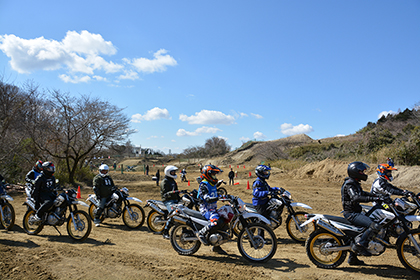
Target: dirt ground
[{"x": 112, "y": 251}]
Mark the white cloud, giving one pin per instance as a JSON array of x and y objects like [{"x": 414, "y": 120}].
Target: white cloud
[
  {"x": 386, "y": 113},
  {"x": 257, "y": 116},
  {"x": 182, "y": 132},
  {"x": 151, "y": 115},
  {"x": 289, "y": 129},
  {"x": 208, "y": 117},
  {"x": 259, "y": 135},
  {"x": 77, "y": 53},
  {"x": 244, "y": 139},
  {"x": 158, "y": 64}
]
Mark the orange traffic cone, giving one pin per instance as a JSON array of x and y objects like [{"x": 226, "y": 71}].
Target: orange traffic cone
[
  {"x": 188, "y": 183},
  {"x": 78, "y": 193},
  {"x": 247, "y": 185}
]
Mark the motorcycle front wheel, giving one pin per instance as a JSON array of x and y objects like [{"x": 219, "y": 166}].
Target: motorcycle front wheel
[
  {"x": 8, "y": 218},
  {"x": 317, "y": 246},
  {"x": 155, "y": 221},
  {"x": 183, "y": 240},
  {"x": 29, "y": 226},
  {"x": 293, "y": 230},
  {"x": 257, "y": 242},
  {"x": 133, "y": 216},
  {"x": 406, "y": 250},
  {"x": 80, "y": 226}
]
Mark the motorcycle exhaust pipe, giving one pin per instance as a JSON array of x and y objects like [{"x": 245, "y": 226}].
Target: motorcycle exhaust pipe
[
  {"x": 179, "y": 220},
  {"x": 157, "y": 209},
  {"x": 330, "y": 228}
]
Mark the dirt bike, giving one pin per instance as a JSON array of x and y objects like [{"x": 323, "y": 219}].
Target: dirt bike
[
  {"x": 158, "y": 215},
  {"x": 7, "y": 212},
  {"x": 256, "y": 242},
  {"x": 279, "y": 200},
  {"x": 79, "y": 224},
  {"x": 132, "y": 214},
  {"x": 327, "y": 246}
]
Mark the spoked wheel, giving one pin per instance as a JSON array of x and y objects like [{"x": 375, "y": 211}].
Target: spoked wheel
[
  {"x": 221, "y": 191},
  {"x": 293, "y": 228},
  {"x": 8, "y": 218},
  {"x": 155, "y": 221},
  {"x": 183, "y": 240},
  {"x": 257, "y": 242},
  {"x": 80, "y": 226},
  {"x": 92, "y": 209},
  {"x": 317, "y": 248},
  {"x": 238, "y": 226},
  {"x": 29, "y": 226},
  {"x": 407, "y": 252},
  {"x": 133, "y": 216}
]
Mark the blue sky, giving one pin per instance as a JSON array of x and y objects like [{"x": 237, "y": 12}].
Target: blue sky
[{"x": 186, "y": 71}]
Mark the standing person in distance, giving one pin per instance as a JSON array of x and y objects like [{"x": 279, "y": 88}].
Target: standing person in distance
[
  {"x": 231, "y": 176},
  {"x": 104, "y": 187},
  {"x": 351, "y": 196},
  {"x": 44, "y": 190},
  {"x": 169, "y": 193}
]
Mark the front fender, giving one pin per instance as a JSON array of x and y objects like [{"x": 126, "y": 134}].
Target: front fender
[
  {"x": 135, "y": 199},
  {"x": 299, "y": 204},
  {"x": 80, "y": 203},
  {"x": 7, "y": 197},
  {"x": 412, "y": 218},
  {"x": 248, "y": 215}
]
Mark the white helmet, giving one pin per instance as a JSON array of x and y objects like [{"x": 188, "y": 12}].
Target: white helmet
[
  {"x": 103, "y": 170},
  {"x": 169, "y": 169}
]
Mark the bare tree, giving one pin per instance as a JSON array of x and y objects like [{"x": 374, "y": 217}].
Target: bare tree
[
  {"x": 69, "y": 128},
  {"x": 216, "y": 146}
]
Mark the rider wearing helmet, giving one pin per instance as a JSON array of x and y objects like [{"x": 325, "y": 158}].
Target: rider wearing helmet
[
  {"x": 351, "y": 196},
  {"x": 34, "y": 173},
  {"x": 104, "y": 187},
  {"x": 207, "y": 194},
  {"x": 44, "y": 190},
  {"x": 170, "y": 194},
  {"x": 381, "y": 185},
  {"x": 261, "y": 190}
]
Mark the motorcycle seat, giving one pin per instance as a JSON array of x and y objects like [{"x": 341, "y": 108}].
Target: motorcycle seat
[
  {"x": 193, "y": 213},
  {"x": 338, "y": 219}
]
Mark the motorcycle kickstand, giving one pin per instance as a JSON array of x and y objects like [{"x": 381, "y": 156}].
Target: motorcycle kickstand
[{"x": 57, "y": 230}]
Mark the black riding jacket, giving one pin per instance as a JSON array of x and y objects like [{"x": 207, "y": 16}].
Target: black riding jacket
[{"x": 352, "y": 194}]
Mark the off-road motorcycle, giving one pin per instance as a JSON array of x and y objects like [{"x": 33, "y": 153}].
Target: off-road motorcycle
[
  {"x": 158, "y": 215},
  {"x": 78, "y": 222},
  {"x": 256, "y": 241},
  {"x": 279, "y": 200},
  {"x": 7, "y": 212},
  {"x": 327, "y": 246},
  {"x": 119, "y": 204}
]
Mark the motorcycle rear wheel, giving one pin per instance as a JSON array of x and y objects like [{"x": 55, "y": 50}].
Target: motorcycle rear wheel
[
  {"x": 155, "y": 221},
  {"x": 136, "y": 219},
  {"x": 264, "y": 239},
  {"x": 92, "y": 209},
  {"x": 183, "y": 247},
  {"x": 293, "y": 230},
  {"x": 406, "y": 251},
  {"x": 8, "y": 218},
  {"x": 28, "y": 226},
  {"x": 316, "y": 245},
  {"x": 80, "y": 228}
]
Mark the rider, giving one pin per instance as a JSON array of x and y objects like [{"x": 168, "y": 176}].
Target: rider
[
  {"x": 207, "y": 194},
  {"x": 261, "y": 190},
  {"x": 33, "y": 174},
  {"x": 44, "y": 190},
  {"x": 104, "y": 187},
  {"x": 184, "y": 174},
  {"x": 351, "y": 196},
  {"x": 170, "y": 194},
  {"x": 381, "y": 186}
]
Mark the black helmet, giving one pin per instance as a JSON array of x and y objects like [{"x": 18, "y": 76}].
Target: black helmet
[
  {"x": 48, "y": 168},
  {"x": 356, "y": 170}
]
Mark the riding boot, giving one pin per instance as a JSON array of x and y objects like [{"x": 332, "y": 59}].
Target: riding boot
[
  {"x": 353, "y": 260},
  {"x": 362, "y": 245},
  {"x": 165, "y": 231},
  {"x": 202, "y": 235}
]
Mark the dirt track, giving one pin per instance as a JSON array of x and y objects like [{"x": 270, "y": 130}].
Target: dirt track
[{"x": 114, "y": 252}]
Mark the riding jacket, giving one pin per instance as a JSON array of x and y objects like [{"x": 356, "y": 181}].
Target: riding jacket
[{"x": 352, "y": 194}]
